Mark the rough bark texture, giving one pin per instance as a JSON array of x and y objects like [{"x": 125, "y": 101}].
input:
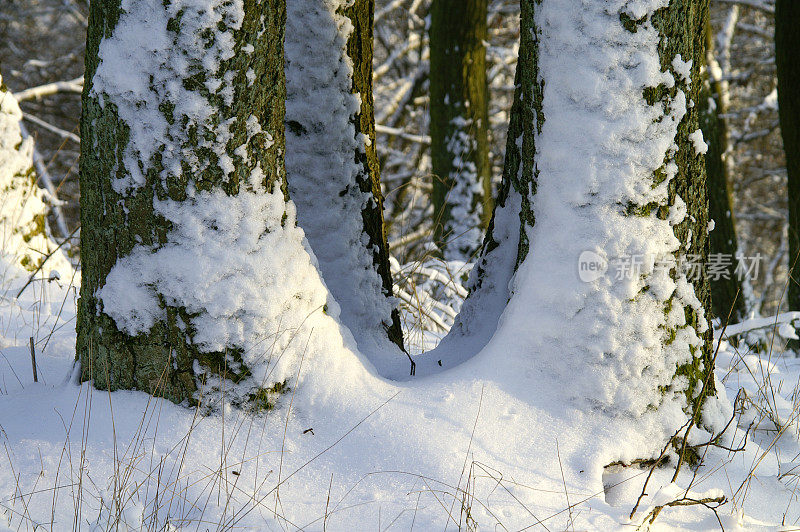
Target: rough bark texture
[
  {"x": 681, "y": 27},
  {"x": 526, "y": 120},
  {"x": 727, "y": 297},
  {"x": 160, "y": 361},
  {"x": 462, "y": 190},
  {"x": 360, "y": 49},
  {"x": 787, "y": 44}
]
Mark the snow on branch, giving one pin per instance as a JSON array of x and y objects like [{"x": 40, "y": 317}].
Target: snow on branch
[
  {"x": 35, "y": 93},
  {"x": 51, "y": 128},
  {"x": 785, "y": 318},
  {"x": 753, "y": 4},
  {"x": 386, "y": 130}
]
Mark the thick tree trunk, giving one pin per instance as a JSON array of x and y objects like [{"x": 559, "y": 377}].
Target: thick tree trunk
[
  {"x": 727, "y": 297},
  {"x": 181, "y": 175},
  {"x": 462, "y": 188},
  {"x": 604, "y": 161},
  {"x": 787, "y": 44},
  {"x": 333, "y": 171}
]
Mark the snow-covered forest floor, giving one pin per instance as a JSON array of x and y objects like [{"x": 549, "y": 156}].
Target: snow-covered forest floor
[
  {"x": 345, "y": 454},
  {"x": 466, "y": 448}
]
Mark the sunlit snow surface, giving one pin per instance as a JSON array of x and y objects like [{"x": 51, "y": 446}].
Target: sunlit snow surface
[
  {"x": 508, "y": 439},
  {"x": 380, "y": 453}
]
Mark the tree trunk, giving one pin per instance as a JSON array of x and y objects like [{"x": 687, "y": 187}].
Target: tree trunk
[
  {"x": 603, "y": 166},
  {"x": 727, "y": 297},
  {"x": 333, "y": 171},
  {"x": 26, "y": 239},
  {"x": 185, "y": 226},
  {"x": 506, "y": 241},
  {"x": 787, "y": 42},
  {"x": 462, "y": 188}
]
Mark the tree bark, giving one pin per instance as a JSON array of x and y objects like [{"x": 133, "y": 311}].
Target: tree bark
[
  {"x": 462, "y": 188},
  {"x": 537, "y": 155},
  {"x": 333, "y": 170},
  {"x": 787, "y": 43},
  {"x": 230, "y": 143},
  {"x": 360, "y": 49},
  {"x": 727, "y": 297}
]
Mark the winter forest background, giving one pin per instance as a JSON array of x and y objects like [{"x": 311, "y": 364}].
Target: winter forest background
[
  {"x": 44, "y": 44},
  {"x": 419, "y": 454}
]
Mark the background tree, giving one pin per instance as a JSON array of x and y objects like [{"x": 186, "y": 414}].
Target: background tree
[
  {"x": 194, "y": 272},
  {"x": 462, "y": 188},
  {"x": 787, "y": 44},
  {"x": 332, "y": 164},
  {"x": 727, "y": 296},
  {"x": 26, "y": 237}
]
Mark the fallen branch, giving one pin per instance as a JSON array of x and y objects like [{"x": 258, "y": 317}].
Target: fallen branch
[{"x": 686, "y": 501}]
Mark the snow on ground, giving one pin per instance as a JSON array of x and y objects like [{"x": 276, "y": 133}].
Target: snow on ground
[
  {"x": 354, "y": 451},
  {"x": 509, "y": 439}
]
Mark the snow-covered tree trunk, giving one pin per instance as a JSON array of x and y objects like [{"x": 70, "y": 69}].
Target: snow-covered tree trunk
[
  {"x": 727, "y": 296},
  {"x": 195, "y": 276},
  {"x": 506, "y": 240},
  {"x": 601, "y": 232},
  {"x": 26, "y": 240},
  {"x": 462, "y": 188},
  {"x": 332, "y": 167},
  {"x": 787, "y": 42}
]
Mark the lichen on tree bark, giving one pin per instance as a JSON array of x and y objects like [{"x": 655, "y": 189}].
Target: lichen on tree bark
[
  {"x": 360, "y": 51},
  {"x": 680, "y": 27}
]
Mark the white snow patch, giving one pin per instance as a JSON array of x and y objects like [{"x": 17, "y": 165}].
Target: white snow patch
[
  {"x": 144, "y": 76},
  {"x": 683, "y": 68},
  {"x": 700, "y": 146}
]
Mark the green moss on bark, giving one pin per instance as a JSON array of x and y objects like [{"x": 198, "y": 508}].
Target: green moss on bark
[
  {"x": 526, "y": 121},
  {"x": 161, "y": 361},
  {"x": 680, "y": 28}
]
